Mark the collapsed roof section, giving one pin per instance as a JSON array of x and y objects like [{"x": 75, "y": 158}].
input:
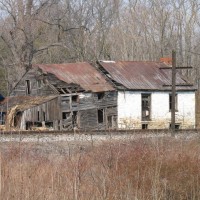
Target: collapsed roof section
[
  {"x": 143, "y": 75},
  {"x": 23, "y": 102},
  {"x": 79, "y": 76}
]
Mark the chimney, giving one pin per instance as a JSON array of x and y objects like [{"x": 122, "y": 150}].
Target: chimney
[{"x": 166, "y": 60}]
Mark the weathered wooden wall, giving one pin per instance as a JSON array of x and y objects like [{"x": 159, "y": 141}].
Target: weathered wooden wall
[
  {"x": 79, "y": 108},
  {"x": 87, "y": 107},
  {"x": 35, "y": 78},
  {"x": 48, "y": 112}
]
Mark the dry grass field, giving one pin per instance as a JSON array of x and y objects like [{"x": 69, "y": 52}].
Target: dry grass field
[{"x": 142, "y": 169}]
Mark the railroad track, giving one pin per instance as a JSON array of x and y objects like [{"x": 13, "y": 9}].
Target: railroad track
[{"x": 101, "y": 132}]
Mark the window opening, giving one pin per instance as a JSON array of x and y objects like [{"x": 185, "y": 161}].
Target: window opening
[
  {"x": 65, "y": 115},
  {"x": 100, "y": 95},
  {"x": 146, "y": 107},
  {"x": 28, "y": 87},
  {"x": 74, "y": 119},
  {"x": 44, "y": 116},
  {"x": 38, "y": 115},
  {"x": 74, "y": 98},
  {"x": 144, "y": 126},
  {"x": 177, "y": 126},
  {"x": 170, "y": 102},
  {"x": 100, "y": 116}
]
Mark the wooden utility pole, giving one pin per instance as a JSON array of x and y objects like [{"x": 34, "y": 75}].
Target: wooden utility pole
[{"x": 173, "y": 109}]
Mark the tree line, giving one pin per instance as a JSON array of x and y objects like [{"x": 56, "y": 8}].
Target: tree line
[{"x": 58, "y": 31}]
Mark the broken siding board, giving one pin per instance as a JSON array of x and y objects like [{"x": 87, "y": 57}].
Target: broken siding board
[
  {"x": 110, "y": 99},
  {"x": 88, "y": 119}
]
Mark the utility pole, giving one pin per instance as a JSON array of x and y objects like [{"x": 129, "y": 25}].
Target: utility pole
[{"x": 173, "y": 109}]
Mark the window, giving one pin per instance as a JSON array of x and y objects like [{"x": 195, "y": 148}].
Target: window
[
  {"x": 75, "y": 119},
  {"x": 144, "y": 126},
  {"x": 28, "y": 87},
  {"x": 146, "y": 107},
  {"x": 38, "y": 115},
  {"x": 65, "y": 115},
  {"x": 176, "y": 102},
  {"x": 100, "y": 116},
  {"x": 75, "y": 98},
  {"x": 177, "y": 126},
  {"x": 100, "y": 95},
  {"x": 44, "y": 116}
]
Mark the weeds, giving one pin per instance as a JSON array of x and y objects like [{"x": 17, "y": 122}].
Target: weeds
[{"x": 141, "y": 169}]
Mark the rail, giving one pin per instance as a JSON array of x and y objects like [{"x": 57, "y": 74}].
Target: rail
[{"x": 102, "y": 132}]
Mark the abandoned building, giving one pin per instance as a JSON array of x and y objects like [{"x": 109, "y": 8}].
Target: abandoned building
[
  {"x": 144, "y": 95},
  {"x": 110, "y": 95},
  {"x": 62, "y": 97}
]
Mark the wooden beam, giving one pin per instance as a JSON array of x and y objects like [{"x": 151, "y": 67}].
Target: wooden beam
[
  {"x": 173, "y": 119},
  {"x": 179, "y": 85},
  {"x": 187, "y": 67}
]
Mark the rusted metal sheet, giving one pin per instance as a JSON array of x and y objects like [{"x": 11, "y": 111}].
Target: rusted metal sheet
[
  {"x": 82, "y": 74},
  {"x": 143, "y": 75}
]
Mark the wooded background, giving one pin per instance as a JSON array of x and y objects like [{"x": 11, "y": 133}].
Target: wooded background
[{"x": 60, "y": 31}]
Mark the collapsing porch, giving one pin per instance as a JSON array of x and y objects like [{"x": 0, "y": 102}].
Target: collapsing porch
[
  {"x": 64, "y": 112},
  {"x": 23, "y": 112}
]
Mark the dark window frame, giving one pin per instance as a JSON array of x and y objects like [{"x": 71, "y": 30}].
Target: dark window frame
[
  {"x": 75, "y": 98},
  {"x": 144, "y": 126},
  {"x": 100, "y": 116},
  {"x": 28, "y": 87},
  {"x": 65, "y": 115},
  {"x": 176, "y": 102},
  {"x": 146, "y": 97},
  {"x": 100, "y": 95}
]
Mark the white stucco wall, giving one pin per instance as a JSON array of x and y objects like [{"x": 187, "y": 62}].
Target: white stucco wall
[{"x": 129, "y": 109}]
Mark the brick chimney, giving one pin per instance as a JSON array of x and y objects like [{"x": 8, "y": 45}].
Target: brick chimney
[{"x": 166, "y": 60}]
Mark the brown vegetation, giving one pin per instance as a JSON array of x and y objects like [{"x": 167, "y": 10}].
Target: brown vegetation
[{"x": 142, "y": 169}]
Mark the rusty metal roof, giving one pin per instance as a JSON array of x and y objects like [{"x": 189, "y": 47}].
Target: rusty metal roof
[
  {"x": 82, "y": 74},
  {"x": 143, "y": 75}
]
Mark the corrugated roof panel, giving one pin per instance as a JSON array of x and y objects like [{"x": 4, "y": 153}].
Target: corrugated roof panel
[
  {"x": 143, "y": 75},
  {"x": 82, "y": 74}
]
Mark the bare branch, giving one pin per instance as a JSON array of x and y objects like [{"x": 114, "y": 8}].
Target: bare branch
[{"x": 50, "y": 46}]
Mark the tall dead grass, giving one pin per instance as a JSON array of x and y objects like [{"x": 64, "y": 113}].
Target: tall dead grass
[{"x": 143, "y": 169}]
